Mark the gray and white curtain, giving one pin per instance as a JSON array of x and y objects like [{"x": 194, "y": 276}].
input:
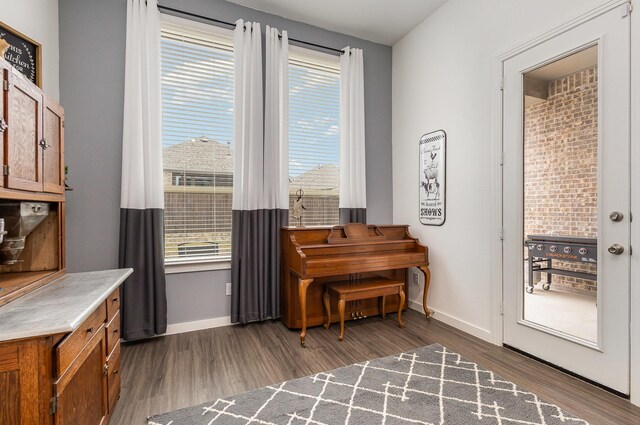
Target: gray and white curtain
[
  {"x": 260, "y": 200},
  {"x": 353, "y": 188},
  {"x": 144, "y": 302}
]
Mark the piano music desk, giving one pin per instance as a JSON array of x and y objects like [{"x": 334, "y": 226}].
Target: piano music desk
[{"x": 313, "y": 256}]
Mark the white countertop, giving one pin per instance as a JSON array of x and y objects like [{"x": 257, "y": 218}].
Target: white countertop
[{"x": 60, "y": 306}]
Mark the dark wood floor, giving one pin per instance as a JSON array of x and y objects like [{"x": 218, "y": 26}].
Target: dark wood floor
[{"x": 168, "y": 373}]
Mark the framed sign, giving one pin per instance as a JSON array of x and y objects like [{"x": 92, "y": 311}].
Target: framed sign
[
  {"x": 433, "y": 163},
  {"x": 23, "y": 53}
]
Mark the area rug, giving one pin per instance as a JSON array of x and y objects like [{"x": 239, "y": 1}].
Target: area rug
[{"x": 430, "y": 385}]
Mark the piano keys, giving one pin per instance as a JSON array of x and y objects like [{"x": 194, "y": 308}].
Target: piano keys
[{"x": 356, "y": 253}]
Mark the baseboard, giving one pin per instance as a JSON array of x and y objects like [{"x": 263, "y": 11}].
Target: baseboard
[
  {"x": 198, "y": 325},
  {"x": 455, "y": 322},
  {"x": 216, "y": 322}
]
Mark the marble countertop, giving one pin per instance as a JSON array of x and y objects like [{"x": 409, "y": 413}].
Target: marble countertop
[{"x": 60, "y": 306}]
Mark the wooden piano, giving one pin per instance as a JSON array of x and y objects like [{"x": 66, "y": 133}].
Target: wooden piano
[{"x": 353, "y": 253}]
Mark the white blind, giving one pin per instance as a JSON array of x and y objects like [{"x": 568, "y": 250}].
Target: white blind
[
  {"x": 314, "y": 144},
  {"x": 197, "y": 114}
]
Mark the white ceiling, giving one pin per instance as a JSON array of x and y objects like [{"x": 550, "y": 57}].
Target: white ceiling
[
  {"x": 381, "y": 21},
  {"x": 568, "y": 65}
]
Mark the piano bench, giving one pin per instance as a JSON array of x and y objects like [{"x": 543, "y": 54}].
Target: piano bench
[{"x": 367, "y": 288}]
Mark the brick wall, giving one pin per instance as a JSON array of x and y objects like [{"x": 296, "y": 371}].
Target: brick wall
[{"x": 561, "y": 165}]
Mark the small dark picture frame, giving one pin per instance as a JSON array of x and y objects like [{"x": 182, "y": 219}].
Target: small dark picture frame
[{"x": 24, "y": 53}]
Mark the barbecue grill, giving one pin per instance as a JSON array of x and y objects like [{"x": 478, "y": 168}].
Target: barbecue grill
[{"x": 543, "y": 249}]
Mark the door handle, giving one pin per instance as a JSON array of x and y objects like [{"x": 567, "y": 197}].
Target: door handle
[
  {"x": 616, "y": 216},
  {"x": 616, "y": 249}
]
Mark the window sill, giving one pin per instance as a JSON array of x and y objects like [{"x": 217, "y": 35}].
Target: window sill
[{"x": 203, "y": 266}]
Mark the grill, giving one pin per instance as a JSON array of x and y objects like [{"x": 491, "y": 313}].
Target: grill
[{"x": 543, "y": 249}]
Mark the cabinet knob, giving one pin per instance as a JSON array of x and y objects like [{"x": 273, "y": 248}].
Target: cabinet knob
[
  {"x": 3, "y": 125},
  {"x": 43, "y": 144},
  {"x": 90, "y": 330}
]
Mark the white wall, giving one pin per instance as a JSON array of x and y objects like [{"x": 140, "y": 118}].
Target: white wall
[
  {"x": 442, "y": 79},
  {"x": 38, "y": 19}
]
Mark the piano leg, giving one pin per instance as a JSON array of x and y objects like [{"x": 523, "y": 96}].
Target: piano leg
[
  {"x": 427, "y": 281},
  {"x": 303, "y": 284},
  {"x": 401, "y": 297},
  {"x": 327, "y": 308},
  {"x": 341, "y": 303}
]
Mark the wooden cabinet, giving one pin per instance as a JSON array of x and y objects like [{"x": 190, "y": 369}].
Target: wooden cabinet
[
  {"x": 81, "y": 393},
  {"x": 32, "y": 160},
  {"x": 112, "y": 332},
  {"x": 18, "y": 380},
  {"x": 24, "y": 384},
  {"x": 88, "y": 386},
  {"x": 24, "y": 128},
  {"x": 53, "y": 147},
  {"x": 35, "y": 138},
  {"x": 113, "y": 377},
  {"x": 69, "y": 349},
  {"x": 4, "y": 70},
  {"x": 64, "y": 379}
]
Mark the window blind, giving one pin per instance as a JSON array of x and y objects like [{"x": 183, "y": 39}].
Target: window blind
[
  {"x": 314, "y": 136},
  {"x": 197, "y": 130}
]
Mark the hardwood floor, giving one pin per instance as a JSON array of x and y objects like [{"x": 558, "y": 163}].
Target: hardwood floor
[{"x": 168, "y": 373}]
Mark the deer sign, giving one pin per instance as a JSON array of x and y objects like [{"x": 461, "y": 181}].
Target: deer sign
[
  {"x": 433, "y": 178},
  {"x": 430, "y": 182}
]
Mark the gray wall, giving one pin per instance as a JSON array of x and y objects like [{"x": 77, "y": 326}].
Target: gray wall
[{"x": 92, "y": 49}]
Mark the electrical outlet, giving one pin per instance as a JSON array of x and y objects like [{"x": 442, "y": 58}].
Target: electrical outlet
[
  {"x": 228, "y": 288},
  {"x": 416, "y": 278}
]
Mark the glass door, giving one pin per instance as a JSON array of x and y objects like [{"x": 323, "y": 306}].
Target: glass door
[{"x": 566, "y": 200}]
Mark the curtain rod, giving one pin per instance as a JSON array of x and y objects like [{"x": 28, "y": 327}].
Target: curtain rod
[{"x": 233, "y": 25}]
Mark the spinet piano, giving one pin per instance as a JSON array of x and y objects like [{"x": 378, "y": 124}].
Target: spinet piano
[{"x": 353, "y": 253}]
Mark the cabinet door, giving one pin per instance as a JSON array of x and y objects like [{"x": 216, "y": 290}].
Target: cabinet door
[
  {"x": 23, "y": 154},
  {"x": 19, "y": 383},
  {"x": 3, "y": 114},
  {"x": 81, "y": 391},
  {"x": 53, "y": 146},
  {"x": 113, "y": 376}
]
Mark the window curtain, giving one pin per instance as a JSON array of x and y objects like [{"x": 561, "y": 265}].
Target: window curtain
[
  {"x": 144, "y": 302},
  {"x": 353, "y": 188},
  {"x": 260, "y": 200}
]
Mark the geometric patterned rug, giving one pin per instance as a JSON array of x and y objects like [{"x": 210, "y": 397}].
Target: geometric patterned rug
[{"x": 430, "y": 385}]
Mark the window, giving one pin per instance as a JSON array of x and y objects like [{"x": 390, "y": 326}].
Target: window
[
  {"x": 197, "y": 114},
  {"x": 314, "y": 135}
]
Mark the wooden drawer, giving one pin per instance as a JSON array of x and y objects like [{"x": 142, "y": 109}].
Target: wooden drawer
[
  {"x": 71, "y": 346},
  {"x": 113, "y": 376},
  {"x": 113, "y": 304},
  {"x": 113, "y": 332}
]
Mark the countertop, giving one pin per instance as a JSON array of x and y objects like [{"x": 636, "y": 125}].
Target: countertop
[{"x": 60, "y": 306}]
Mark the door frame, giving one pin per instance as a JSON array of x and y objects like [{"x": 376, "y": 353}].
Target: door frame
[
  {"x": 635, "y": 207},
  {"x": 496, "y": 204}
]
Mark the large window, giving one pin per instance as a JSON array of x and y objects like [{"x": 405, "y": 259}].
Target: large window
[
  {"x": 197, "y": 114},
  {"x": 314, "y": 135}
]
